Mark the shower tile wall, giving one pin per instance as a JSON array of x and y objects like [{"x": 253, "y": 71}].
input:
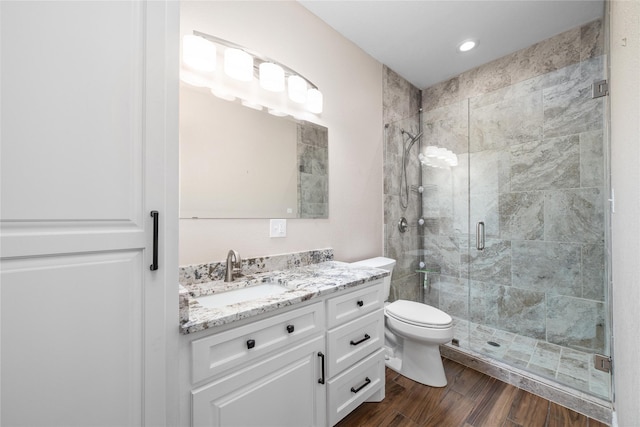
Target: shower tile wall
[
  {"x": 313, "y": 165},
  {"x": 529, "y": 138},
  {"x": 401, "y": 102}
]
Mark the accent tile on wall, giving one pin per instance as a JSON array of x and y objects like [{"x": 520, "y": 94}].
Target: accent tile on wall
[
  {"x": 547, "y": 267},
  {"x": 547, "y": 164},
  {"x": 574, "y": 215}
]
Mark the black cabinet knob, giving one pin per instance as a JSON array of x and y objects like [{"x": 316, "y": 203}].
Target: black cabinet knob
[
  {"x": 360, "y": 303},
  {"x": 290, "y": 328},
  {"x": 251, "y": 344}
]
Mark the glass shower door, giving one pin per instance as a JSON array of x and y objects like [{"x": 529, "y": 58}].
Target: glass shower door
[{"x": 535, "y": 263}]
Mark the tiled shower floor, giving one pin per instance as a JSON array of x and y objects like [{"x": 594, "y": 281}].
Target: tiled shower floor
[{"x": 567, "y": 366}]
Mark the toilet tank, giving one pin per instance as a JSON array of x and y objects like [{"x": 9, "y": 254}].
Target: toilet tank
[{"x": 383, "y": 263}]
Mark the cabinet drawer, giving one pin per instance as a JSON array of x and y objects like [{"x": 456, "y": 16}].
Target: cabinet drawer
[
  {"x": 347, "y": 307},
  {"x": 354, "y": 386},
  {"x": 217, "y": 353},
  {"x": 351, "y": 342}
]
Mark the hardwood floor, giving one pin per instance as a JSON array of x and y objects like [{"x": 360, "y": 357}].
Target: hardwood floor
[{"x": 471, "y": 399}]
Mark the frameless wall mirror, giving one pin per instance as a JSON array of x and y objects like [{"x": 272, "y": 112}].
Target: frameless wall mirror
[{"x": 238, "y": 162}]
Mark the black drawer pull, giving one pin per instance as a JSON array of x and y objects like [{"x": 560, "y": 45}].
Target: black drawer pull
[
  {"x": 251, "y": 344},
  {"x": 366, "y": 337},
  {"x": 290, "y": 328},
  {"x": 360, "y": 303},
  {"x": 367, "y": 381},
  {"x": 321, "y": 354}
]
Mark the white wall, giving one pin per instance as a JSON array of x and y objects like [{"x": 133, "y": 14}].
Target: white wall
[
  {"x": 351, "y": 82},
  {"x": 625, "y": 179}
]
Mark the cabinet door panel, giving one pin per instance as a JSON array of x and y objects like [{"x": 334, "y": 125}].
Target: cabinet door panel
[
  {"x": 283, "y": 390},
  {"x": 69, "y": 361}
]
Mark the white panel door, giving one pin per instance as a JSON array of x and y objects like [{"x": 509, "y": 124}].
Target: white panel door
[{"x": 88, "y": 148}]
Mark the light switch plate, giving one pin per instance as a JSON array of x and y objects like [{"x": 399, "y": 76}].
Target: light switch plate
[{"x": 278, "y": 228}]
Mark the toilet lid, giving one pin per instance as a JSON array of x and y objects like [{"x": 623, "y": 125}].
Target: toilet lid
[{"x": 418, "y": 314}]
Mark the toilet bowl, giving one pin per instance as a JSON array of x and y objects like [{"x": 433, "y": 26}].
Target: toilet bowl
[{"x": 413, "y": 333}]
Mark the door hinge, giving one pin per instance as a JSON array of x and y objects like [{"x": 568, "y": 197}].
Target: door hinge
[
  {"x": 602, "y": 363},
  {"x": 599, "y": 89}
]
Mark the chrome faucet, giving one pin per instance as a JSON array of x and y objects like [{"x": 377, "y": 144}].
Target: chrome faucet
[{"x": 234, "y": 263}]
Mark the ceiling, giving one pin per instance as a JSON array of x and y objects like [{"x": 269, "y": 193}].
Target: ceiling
[{"x": 418, "y": 39}]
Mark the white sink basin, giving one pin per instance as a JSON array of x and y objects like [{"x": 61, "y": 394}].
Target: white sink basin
[{"x": 240, "y": 295}]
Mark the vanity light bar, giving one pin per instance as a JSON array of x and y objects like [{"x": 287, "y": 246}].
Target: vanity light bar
[{"x": 258, "y": 58}]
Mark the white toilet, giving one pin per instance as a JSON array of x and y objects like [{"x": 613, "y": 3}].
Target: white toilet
[{"x": 413, "y": 333}]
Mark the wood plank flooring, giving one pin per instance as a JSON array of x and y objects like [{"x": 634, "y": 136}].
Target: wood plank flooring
[{"x": 471, "y": 399}]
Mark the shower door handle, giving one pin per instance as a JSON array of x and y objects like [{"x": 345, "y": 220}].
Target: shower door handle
[{"x": 480, "y": 236}]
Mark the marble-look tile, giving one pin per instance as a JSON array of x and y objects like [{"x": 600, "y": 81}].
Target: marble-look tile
[
  {"x": 447, "y": 127},
  {"x": 313, "y": 188},
  {"x": 548, "y": 267},
  {"x": 576, "y": 322},
  {"x": 591, "y": 40},
  {"x": 546, "y": 56},
  {"x": 407, "y": 287},
  {"x": 599, "y": 382},
  {"x": 546, "y": 355},
  {"x": 314, "y": 210},
  {"x": 574, "y": 364},
  {"x": 517, "y": 310},
  {"x": 312, "y": 134},
  {"x": 569, "y": 108},
  {"x": 490, "y": 172},
  {"x": 482, "y": 302},
  {"x": 521, "y": 216},
  {"x": 525, "y": 87},
  {"x": 444, "y": 251},
  {"x": 591, "y": 159},
  {"x": 546, "y": 164},
  {"x": 505, "y": 123},
  {"x": 574, "y": 215},
  {"x": 594, "y": 283},
  {"x": 400, "y": 98},
  {"x": 493, "y": 264},
  {"x": 488, "y": 77},
  {"x": 441, "y": 94},
  {"x": 454, "y": 297}
]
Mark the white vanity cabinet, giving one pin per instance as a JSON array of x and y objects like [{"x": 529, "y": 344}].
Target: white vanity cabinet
[
  {"x": 307, "y": 366},
  {"x": 355, "y": 338}
]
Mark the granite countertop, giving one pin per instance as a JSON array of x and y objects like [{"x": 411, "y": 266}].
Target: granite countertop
[{"x": 302, "y": 283}]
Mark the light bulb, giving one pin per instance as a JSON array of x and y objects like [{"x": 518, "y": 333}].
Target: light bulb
[
  {"x": 271, "y": 77},
  {"x": 314, "y": 101},
  {"x": 198, "y": 53},
  {"x": 238, "y": 64},
  {"x": 297, "y": 88}
]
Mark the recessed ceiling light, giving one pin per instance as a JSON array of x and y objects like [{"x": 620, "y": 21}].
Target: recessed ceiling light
[{"x": 467, "y": 45}]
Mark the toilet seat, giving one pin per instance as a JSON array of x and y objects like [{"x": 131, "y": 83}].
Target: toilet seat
[{"x": 415, "y": 313}]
